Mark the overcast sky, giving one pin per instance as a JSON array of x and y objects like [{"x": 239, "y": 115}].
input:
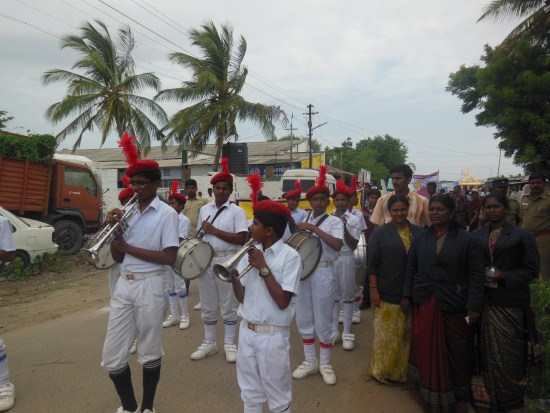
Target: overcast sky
[{"x": 369, "y": 67}]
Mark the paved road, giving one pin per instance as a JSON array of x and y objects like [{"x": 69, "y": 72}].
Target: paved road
[{"x": 55, "y": 366}]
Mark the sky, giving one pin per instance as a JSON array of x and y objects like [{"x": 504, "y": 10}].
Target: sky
[{"x": 368, "y": 67}]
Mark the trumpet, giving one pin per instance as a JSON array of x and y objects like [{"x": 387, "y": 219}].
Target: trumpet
[
  {"x": 104, "y": 237},
  {"x": 223, "y": 271}
]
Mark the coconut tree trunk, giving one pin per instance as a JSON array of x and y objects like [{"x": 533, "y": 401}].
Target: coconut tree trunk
[{"x": 219, "y": 144}]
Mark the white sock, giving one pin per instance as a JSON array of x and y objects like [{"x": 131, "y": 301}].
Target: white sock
[
  {"x": 230, "y": 328},
  {"x": 348, "y": 314},
  {"x": 210, "y": 332},
  {"x": 173, "y": 301},
  {"x": 4, "y": 371},
  {"x": 324, "y": 357},
  {"x": 183, "y": 303},
  {"x": 309, "y": 349}
]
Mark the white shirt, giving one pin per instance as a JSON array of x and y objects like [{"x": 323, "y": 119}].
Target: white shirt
[
  {"x": 359, "y": 214},
  {"x": 332, "y": 226},
  {"x": 154, "y": 229},
  {"x": 299, "y": 215},
  {"x": 258, "y": 306},
  {"x": 231, "y": 219},
  {"x": 185, "y": 223},
  {"x": 353, "y": 227},
  {"x": 6, "y": 237}
]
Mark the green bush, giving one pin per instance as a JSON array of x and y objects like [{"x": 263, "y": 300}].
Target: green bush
[
  {"x": 16, "y": 271},
  {"x": 36, "y": 148},
  {"x": 539, "y": 378}
]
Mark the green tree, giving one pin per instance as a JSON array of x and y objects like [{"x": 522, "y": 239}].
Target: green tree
[
  {"x": 315, "y": 144},
  {"x": 105, "y": 90},
  {"x": 389, "y": 151},
  {"x": 535, "y": 14},
  {"x": 4, "y": 118},
  {"x": 217, "y": 81},
  {"x": 510, "y": 92}
]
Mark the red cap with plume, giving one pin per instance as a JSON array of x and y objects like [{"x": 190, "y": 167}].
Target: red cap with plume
[
  {"x": 320, "y": 185},
  {"x": 353, "y": 188},
  {"x": 126, "y": 192},
  {"x": 272, "y": 207},
  {"x": 341, "y": 188},
  {"x": 135, "y": 165},
  {"x": 295, "y": 193},
  {"x": 224, "y": 175},
  {"x": 174, "y": 192},
  {"x": 255, "y": 183}
]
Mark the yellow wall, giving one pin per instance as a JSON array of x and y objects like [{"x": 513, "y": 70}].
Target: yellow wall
[
  {"x": 246, "y": 204},
  {"x": 317, "y": 160}
]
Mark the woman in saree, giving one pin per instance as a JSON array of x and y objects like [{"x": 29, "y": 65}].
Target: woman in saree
[
  {"x": 444, "y": 283},
  {"x": 387, "y": 261},
  {"x": 511, "y": 262}
]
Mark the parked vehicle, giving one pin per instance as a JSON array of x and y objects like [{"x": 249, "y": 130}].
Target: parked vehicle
[
  {"x": 33, "y": 184},
  {"x": 31, "y": 238},
  {"x": 307, "y": 179}
]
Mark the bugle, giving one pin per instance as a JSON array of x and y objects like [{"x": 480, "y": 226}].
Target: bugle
[{"x": 223, "y": 271}]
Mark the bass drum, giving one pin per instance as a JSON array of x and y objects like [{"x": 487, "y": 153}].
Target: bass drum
[
  {"x": 193, "y": 259},
  {"x": 104, "y": 259},
  {"x": 361, "y": 262},
  {"x": 310, "y": 249}
]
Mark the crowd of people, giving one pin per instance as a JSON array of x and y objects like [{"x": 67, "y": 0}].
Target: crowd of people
[{"x": 447, "y": 277}]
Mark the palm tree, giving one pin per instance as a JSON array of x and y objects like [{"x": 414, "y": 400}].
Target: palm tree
[
  {"x": 217, "y": 80},
  {"x": 536, "y": 14},
  {"x": 105, "y": 93}
]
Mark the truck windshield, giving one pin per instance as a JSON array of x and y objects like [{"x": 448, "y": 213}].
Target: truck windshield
[
  {"x": 80, "y": 177},
  {"x": 289, "y": 185}
]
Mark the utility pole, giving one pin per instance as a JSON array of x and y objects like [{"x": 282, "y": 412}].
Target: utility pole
[
  {"x": 311, "y": 129},
  {"x": 291, "y": 137}
]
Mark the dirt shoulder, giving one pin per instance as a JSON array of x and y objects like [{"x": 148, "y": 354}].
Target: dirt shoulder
[{"x": 51, "y": 295}]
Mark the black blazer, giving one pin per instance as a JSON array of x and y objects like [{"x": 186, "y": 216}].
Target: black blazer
[
  {"x": 387, "y": 259},
  {"x": 455, "y": 276},
  {"x": 517, "y": 256}
]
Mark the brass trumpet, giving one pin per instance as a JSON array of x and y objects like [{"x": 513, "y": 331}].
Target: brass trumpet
[{"x": 223, "y": 271}]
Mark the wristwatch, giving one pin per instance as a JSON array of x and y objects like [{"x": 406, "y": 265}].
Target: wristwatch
[{"x": 265, "y": 271}]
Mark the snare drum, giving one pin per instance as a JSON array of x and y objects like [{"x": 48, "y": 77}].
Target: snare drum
[
  {"x": 194, "y": 256},
  {"x": 310, "y": 249},
  {"x": 361, "y": 262}
]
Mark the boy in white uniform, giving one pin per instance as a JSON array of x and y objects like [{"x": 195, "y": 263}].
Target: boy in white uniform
[
  {"x": 226, "y": 235},
  {"x": 317, "y": 292},
  {"x": 146, "y": 247},
  {"x": 346, "y": 289},
  {"x": 7, "y": 253},
  {"x": 177, "y": 285},
  {"x": 266, "y": 293}
]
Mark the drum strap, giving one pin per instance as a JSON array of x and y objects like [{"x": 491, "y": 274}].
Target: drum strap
[
  {"x": 292, "y": 225},
  {"x": 318, "y": 224},
  {"x": 218, "y": 213}
]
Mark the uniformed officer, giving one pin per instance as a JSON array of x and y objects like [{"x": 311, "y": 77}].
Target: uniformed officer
[{"x": 535, "y": 217}]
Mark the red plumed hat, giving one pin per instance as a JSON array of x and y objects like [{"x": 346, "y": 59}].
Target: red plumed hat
[
  {"x": 353, "y": 187},
  {"x": 272, "y": 207},
  {"x": 320, "y": 185},
  {"x": 224, "y": 175},
  {"x": 125, "y": 193},
  {"x": 341, "y": 188},
  {"x": 135, "y": 165},
  {"x": 255, "y": 183},
  {"x": 174, "y": 192},
  {"x": 295, "y": 193}
]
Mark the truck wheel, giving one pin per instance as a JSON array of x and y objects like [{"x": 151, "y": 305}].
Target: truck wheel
[{"x": 69, "y": 237}]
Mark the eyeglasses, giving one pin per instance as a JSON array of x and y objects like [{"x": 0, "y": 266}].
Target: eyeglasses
[{"x": 138, "y": 183}]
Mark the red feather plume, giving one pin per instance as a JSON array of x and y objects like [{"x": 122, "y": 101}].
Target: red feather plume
[
  {"x": 322, "y": 179},
  {"x": 175, "y": 185},
  {"x": 255, "y": 183},
  {"x": 341, "y": 186},
  {"x": 225, "y": 165},
  {"x": 129, "y": 148},
  {"x": 298, "y": 186},
  {"x": 125, "y": 180},
  {"x": 354, "y": 182}
]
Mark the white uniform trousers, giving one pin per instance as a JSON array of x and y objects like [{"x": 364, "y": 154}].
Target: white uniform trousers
[
  {"x": 315, "y": 303},
  {"x": 263, "y": 370},
  {"x": 346, "y": 289},
  {"x": 114, "y": 274},
  {"x": 137, "y": 308},
  {"x": 216, "y": 295}
]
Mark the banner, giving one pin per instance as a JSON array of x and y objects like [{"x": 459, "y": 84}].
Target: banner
[{"x": 419, "y": 182}]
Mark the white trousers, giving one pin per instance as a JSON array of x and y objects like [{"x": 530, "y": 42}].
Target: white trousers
[
  {"x": 137, "y": 308},
  {"x": 114, "y": 274},
  {"x": 315, "y": 303},
  {"x": 216, "y": 295},
  {"x": 4, "y": 371},
  {"x": 263, "y": 370},
  {"x": 346, "y": 289}
]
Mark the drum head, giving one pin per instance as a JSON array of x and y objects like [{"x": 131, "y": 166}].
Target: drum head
[
  {"x": 310, "y": 250},
  {"x": 361, "y": 261},
  {"x": 103, "y": 260},
  {"x": 194, "y": 258}
]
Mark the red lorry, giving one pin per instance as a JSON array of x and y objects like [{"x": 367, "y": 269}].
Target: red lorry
[{"x": 63, "y": 194}]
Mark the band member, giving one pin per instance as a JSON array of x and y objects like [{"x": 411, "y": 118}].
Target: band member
[
  {"x": 224, "y": 226},
  {"x": 7, "y": 253},
  {"x": 266, "y": 293},
  {"x": 346, "y": 289},
  {"x": 353, "y": 202},
  {"x": 298, "y": 215},
  {"x": 176, "y": 285},
  {"x": 146, "y": 247},
  {"x": 317, "y": 292}
]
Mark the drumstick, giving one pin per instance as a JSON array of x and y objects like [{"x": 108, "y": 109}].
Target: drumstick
[{"x": 200, "y": 229}]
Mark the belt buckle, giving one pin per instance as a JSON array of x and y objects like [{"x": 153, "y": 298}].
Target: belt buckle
[
  {"x": 130, "y": 277},
  {"x": 251, "y": 326}
]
